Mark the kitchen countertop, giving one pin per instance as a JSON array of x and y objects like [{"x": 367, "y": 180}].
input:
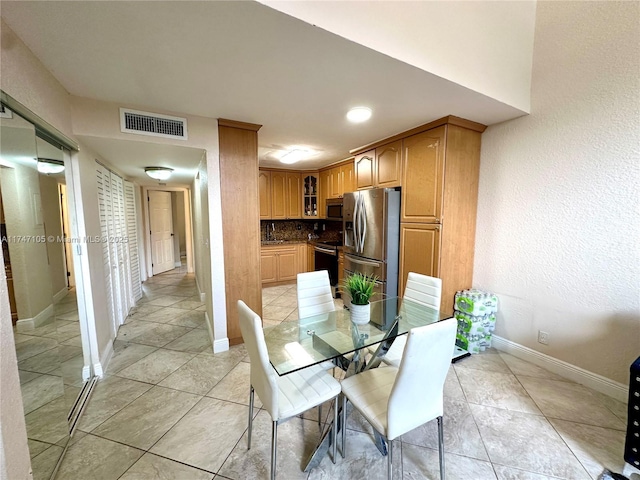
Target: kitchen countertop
[{"x": 266, "y": 243}]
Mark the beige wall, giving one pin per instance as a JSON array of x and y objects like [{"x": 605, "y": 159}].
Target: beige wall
[
  {"x": 53, "y": 227},
  {"x": 558, "y": 227},
  {"x": 23, "y": 212},
  {"x": 14, "y": 454}
]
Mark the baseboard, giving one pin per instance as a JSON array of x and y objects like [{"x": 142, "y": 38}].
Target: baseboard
[
  {"x": 592, "y": 380},
  {"x": 177, "y": 264},
  {"x": 203, "y": 295},
  {"x": 60, "y": 295},
  {"x": 101, "y": 367},
  {"x": 86, "y": 373},
  {"x": 220, "y": 345},
  {"x": 31, "y": 323}
]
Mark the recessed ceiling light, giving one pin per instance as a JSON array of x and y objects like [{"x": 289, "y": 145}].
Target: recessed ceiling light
[
  {"x": 50, "y": 166},
  {"x": 159, "y": 173},
  {"x": 359, "y": 114}
]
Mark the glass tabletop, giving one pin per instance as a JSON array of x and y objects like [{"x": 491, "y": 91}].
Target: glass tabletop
[{"x": 297, "y": 344}]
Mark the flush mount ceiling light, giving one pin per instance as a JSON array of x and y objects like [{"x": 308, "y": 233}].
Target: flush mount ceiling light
[
  {"x": 159, "y": 173},
  {"x": 359, "y": 114},
  {"x": 49, "y": 166},
  {"x": 294, "y": 156}
]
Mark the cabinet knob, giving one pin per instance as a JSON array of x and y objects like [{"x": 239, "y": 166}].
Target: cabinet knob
[{"x": 437, "y": 227}]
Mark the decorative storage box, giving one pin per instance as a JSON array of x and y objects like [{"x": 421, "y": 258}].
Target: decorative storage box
[{"x": 475, "y": 313}]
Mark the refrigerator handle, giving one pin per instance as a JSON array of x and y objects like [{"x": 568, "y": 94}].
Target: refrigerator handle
[
  {"x": 355, "y": 223},
  {"x": 363, "y": 215},
  {"x": 368, "y": 263}
]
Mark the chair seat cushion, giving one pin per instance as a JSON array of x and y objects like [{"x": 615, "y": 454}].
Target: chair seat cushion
[
  {"x": 305, "y": 389},
  {"x": 369, "y": 393}
]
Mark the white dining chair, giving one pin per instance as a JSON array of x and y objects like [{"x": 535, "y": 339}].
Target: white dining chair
[
  {"x": 315, "y": 298},
  {"x": 284, "y": 396},
  {"x": 420, "y": 289},
  {"x": 397, "y": 400}
]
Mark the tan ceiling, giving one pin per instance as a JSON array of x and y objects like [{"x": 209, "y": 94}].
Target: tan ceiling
[{"x": 243, "y": 61}]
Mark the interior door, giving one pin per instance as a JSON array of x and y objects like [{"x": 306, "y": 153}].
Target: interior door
[{"x": 161, "y": 226}]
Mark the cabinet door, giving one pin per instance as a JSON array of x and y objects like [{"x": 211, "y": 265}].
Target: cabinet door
[
  {"x": 268, "y": 266},
  {"x": 348, "y": 178},
  {"x": 336, "y": 183},
  {"x": 279, "y": 195},
  {"x": 264, "y": 184},
  {"x": 325, "y": 187},
  {"x": 294, "y": 195},
  {"x": 311, "y": 259},
  {"x": 364, "y": 170},
  {"x": 389, "y": 165},
  {"x": 419, "y": 251},
  {"x": 422, "y": 176},
  {"x": 287, "y": 265},
  {"x": 302, "y": 258},
  {"x": 340, "y": 269}
]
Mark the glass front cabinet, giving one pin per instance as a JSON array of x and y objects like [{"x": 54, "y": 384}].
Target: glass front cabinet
[{"x": 310, "y": 196}]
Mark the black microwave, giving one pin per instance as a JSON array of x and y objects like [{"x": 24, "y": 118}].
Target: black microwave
[{"x": 334, "y": 209}]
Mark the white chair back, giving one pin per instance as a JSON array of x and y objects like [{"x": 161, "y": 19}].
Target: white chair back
[
  {"x": 314, "y": 294},
  {"x": 263, "y": 376},
  {"x": 423, "y": 289},
  {"x": 416, "y": 396}
]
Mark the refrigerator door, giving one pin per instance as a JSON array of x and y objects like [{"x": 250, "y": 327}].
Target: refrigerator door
[
  {"x": 370, "y": 223},
  {"x": 348, "y": 225}
]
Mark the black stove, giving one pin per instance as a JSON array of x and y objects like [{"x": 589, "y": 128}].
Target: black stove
[{"x": 329, "y": 243}]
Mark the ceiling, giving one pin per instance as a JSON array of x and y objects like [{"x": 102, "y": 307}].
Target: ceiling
[{"x": 236, "y": 60}]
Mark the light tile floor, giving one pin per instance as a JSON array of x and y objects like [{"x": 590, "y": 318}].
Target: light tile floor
[
  {"x": 50, "y": 365},
  {"x": 169, "y": 408}
]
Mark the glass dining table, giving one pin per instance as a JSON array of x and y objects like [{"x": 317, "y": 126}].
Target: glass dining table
[{"x": 297, "y": 344}]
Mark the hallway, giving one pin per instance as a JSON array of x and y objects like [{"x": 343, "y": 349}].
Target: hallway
[{"x": 170, "y": 409}]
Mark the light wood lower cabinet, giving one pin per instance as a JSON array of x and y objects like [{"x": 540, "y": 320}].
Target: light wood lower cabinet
[
  {"x": 311, "y": 259},
  {"x": 282, "y": 263},
  {"x": 340, "y": 268},
  {"x": 419, "y": 251}
]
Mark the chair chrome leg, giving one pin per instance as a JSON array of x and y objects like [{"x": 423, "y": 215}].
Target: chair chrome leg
[
  {"x": 344, "y": 425},
  {"x": 389, "y": 459},
  {"x": 274, "y": 447},
  {"x": 251, "y": 394},
  {"x": 334, "y": 451},
  {"x": 320, "y": 417},
  {"x": 441, "y": 446}
]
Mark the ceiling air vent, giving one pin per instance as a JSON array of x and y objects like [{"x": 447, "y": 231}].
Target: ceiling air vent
[{"x": 154, "y": 124}]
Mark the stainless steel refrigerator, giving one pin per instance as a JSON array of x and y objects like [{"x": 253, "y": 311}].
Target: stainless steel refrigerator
[{"x": 371, "y": 226}]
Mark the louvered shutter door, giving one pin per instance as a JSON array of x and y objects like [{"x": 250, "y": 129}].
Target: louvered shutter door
[
  {"x": 103, "y": 177},
  {"x": 123, "y": 251},
  {"x": 132, "y": 234}
]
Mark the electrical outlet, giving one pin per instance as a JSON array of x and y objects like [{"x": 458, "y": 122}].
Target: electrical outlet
[{"x": 543, "y": 337}]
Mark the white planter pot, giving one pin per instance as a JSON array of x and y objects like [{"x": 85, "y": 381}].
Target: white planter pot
[{"x": 360, "y": 314}]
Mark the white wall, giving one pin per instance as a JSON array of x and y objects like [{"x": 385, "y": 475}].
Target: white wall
[
  {"x": 558, "y": 231},
  {"x": 484, "y": 46}
]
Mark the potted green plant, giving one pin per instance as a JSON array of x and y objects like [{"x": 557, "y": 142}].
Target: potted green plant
[{"x": 360, "y": 287}]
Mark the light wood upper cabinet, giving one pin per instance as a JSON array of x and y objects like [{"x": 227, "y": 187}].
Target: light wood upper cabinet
[
  {"x": 388, "y": 165},
  {"x": 279, "y": 199},
  {"x": 264, "y": 184},
  {"x": 365, "y": 170},
  {"x": 422, "y": 177},
  {"x": 294, "y": 195},
  {"x": 325, "y": 187},
  {"x": 347, "y": 174},
  {"x": 335, "y": 184}
]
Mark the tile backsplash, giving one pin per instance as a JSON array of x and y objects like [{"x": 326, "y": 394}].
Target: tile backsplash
[{"x": 288, "y": 229}]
